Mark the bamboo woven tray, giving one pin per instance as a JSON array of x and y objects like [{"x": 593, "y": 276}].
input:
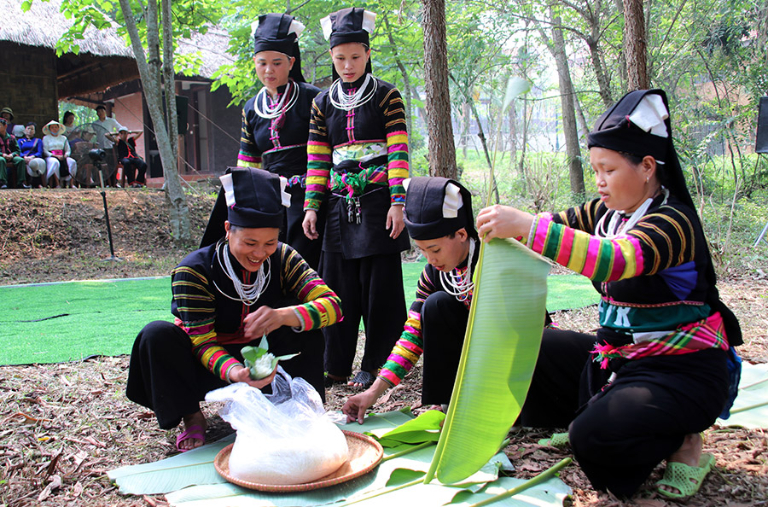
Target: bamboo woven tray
[{"x": 364, "y": 454}]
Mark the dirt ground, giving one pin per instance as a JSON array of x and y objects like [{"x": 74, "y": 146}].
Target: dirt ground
[{"x": 65, "y": 425}]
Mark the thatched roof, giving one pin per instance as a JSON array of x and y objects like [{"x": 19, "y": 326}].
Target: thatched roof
[{"x": 43, "y": 26}]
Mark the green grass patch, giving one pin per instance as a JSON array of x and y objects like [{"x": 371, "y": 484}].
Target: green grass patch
[{"x": 70, "y": 321}]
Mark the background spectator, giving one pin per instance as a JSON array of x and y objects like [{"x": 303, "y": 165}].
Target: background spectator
[
  {"x": 10, "y": 157},
  {"x": 126, "y": 152},
  {"x": 61, "y": 167},
  {"x": 7, "y": 113},
  {"x": 68, "y": 120},
  {"x": 31, "y": 149},
  {"x": 106, "y": 139}
]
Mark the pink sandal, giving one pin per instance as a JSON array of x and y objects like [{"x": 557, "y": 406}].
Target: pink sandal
[{"x": 195, "y": 432}]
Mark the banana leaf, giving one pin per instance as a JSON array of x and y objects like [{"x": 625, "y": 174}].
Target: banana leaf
[
  {"x": 425, "y": 428},
  {"x": 501, "y": 346}
]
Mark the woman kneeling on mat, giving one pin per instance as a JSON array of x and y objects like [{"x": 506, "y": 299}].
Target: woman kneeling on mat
[
  {"x": 226, "y": 295},
  {"x": 657, "y": 374}
]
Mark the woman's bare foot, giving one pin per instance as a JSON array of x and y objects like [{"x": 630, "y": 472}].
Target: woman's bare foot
[
  {"x": 193, "y": 435},
  {"x": 689, "y": 453}
]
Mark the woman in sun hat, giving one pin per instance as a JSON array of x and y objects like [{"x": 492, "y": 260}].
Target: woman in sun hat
[
  {"x": 358, "y": 149},
  {"x": 61, "y": 168},
  {"x": 661, "y": 368},
  {"x": 238, "y": 287}
]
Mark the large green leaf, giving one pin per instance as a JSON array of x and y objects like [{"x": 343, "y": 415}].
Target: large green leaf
[
  {"x": 500, "y": 350},
  {"x": 425, "y": 428}
]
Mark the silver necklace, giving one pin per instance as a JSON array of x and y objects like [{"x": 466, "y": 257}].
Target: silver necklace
[
  {"x": 615, "y": 226},
  {"x": 347, "y": 101},
  {"x": 459, "y": 284},
  {"x": 287, "y": 100},
  {"x": 249, "y": 293}
]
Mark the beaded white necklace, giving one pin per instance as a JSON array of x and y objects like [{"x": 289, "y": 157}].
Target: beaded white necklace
[
  {"x": 460, "y": 284},
  {"x": 249, "y": 293},
  {"x": 287, "y": 100},
  {"x": 615, "y": 225},
  {"x": 347, "y": 101}
]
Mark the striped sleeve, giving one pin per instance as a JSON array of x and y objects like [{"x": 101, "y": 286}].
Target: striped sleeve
[
  {"x": 408, "y": 349},
  {"x": 196, "y": 307},
  {"x": 660, "y": 240},
  {"x": 321, "y": 306},
  {"x": 318, "y": 159},
  {"x": 397, "y": 144},
  {"x": 249, "y": 155}
]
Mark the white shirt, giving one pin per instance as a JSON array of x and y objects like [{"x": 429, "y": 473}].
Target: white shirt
[{"x": 112, "y": 127}]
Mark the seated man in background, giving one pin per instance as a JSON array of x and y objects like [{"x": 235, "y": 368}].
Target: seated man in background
[
  {"x": 10, "y": 157},
  {"x": 106, "y": 140},
  {"x": 7, "y": 114},
  {"x": 126, "y": 153}
]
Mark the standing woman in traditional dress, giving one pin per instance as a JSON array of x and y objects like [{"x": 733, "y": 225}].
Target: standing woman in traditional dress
[
  {"x": 275, "y": 122},
  {"x": 358, "y": 147},
  {"x": 226, "y": 295},
  {"x": 661, "y": 368}
]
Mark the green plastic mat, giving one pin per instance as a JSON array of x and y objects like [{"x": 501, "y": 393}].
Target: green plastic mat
[{"x": 69, "y": 321}]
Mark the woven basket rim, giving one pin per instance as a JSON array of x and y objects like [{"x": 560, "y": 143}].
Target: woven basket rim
[{"x": 353, "y": 467}]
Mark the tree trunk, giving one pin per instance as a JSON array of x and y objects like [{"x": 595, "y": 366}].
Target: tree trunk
[
  {"x": 442, "y": 152},
  {"x": 635, "y": 45},
  {"x": 150, "y": 72},
  {"x": 512, "y": 135},
  {"x": 481, "y": 135},
  {"x": 622, "y": 56},
  {"x": 603, "y": 81},
  {"x": 570, "y": 129},
  {"x": 173, "y": 191}
]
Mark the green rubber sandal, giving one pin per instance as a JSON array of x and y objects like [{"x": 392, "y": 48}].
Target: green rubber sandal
[
  {"x": 559, "y": 440},
  {"x": 685, "y": 478}
]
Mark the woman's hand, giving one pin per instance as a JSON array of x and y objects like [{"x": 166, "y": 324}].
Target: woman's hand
[
  {"x": 240, "y": 373},
  {"x": 310, "y": 224},
  {"x": 395, "y": 221},
  {"x": 503, "y": 222},
  {"x": 355, "y": 407},
  {"x": 265, "y": 320}
]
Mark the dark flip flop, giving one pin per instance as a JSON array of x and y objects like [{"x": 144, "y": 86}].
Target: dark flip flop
[{"x": 362, "y": 377}]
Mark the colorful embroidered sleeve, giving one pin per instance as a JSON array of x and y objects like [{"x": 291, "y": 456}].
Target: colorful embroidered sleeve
[
  {"x": 409, "y": 347},
  {"x": 318, "y": 159},
  {"x": 660, "y": 240},
  {"x": 249, "y": 155},
  {"x": 322, "y": 307},
  {"x": 196, "y": 306},
  {"x": 397, "y": 144}
]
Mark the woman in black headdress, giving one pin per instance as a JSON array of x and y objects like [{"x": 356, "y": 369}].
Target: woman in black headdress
[
  {"x": 657, "y": 374},
  {"x": 358, "y": 148},
  {"x": 226, "y": 295},
  {"x": 275, "y": 122},
  {"x": 438, "y": 216}
]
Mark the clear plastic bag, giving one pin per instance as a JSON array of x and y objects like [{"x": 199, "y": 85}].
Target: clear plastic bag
[{"x": 282, "y": 438}]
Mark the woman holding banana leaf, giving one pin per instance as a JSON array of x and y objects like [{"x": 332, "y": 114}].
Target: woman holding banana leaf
[
  {"x": 227, "y": 295},
  {"x": 657, "y": 373},
  {"x": 438, "y": 216}
]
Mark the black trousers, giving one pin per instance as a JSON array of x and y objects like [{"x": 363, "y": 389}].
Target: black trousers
[
  {"x": 165, "y": 376},
  {"x": 619, "y": 432},
  {"x": 131, "y": 165},
  {"x": 370, "y": 288},
  {"x": 443, "y": 326}
]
